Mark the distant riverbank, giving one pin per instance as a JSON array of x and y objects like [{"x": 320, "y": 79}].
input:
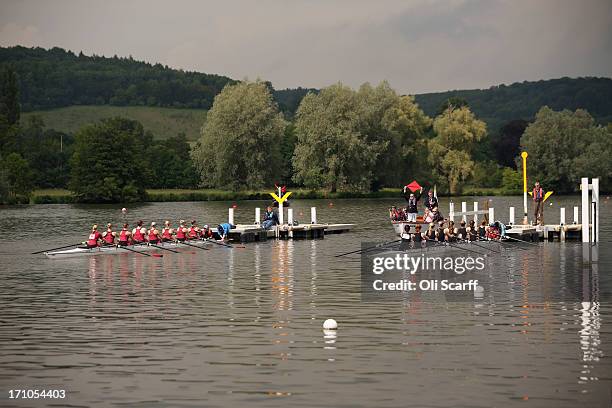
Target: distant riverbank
[{"x": 61, "y": 196}]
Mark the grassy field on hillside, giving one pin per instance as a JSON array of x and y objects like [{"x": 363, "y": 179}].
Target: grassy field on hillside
[{"x": 163, "y": 122}]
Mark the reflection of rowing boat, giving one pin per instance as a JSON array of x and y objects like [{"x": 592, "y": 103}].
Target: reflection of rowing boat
[
  {"x": 434, "y": 247},
  {"x": 113, "y": 250}
]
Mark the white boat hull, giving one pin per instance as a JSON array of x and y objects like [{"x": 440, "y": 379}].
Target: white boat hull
[{"x": 113, "y": 250}]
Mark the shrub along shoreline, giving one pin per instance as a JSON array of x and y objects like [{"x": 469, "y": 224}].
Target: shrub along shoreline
[{"x": 61, "y": 196}]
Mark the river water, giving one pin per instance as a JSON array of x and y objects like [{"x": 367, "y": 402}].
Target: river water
[{"x": 224, "y": 327}]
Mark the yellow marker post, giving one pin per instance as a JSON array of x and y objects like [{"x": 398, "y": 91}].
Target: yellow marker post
[
  {"x": 524, "y": 156},
  {"x": 280, "y": 200}
]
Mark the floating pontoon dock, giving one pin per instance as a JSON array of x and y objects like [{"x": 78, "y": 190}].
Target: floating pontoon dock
[{"x": 290, "y": 230}]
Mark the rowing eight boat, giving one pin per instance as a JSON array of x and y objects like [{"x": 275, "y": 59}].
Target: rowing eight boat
[{"x": 113, "y": 250}]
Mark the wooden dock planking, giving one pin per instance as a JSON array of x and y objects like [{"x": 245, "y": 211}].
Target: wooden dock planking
[{"x": 255, "y": 233}]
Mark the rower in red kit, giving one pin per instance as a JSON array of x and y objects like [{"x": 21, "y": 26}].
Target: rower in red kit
[
  {"x": 167, "y": 232},
  {"x": 181, "y": 232},
  {"x": 139, "y": 233},
  {"x": 125, "y": 236},
  {"x": 194, "y": 230},
  {"x": 109, "y": 236},
  {"x": 94, "y": 237},
  {"x": 154, "y": 237}
]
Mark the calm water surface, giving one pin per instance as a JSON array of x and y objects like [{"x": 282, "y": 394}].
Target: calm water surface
[{"x": 243, "y": 326}]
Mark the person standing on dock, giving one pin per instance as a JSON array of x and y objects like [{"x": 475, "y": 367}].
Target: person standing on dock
[
  {"x": 412, "y": 209},
  {"x": 538, "y": 203}
]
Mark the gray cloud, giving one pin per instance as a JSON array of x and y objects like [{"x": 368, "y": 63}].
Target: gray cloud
[{"x": 418, "y": 46}]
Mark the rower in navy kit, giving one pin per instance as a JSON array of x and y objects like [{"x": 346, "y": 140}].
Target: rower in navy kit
[
  {"x": 406, "y": 237},
  {"x": 462, "y": 233}
]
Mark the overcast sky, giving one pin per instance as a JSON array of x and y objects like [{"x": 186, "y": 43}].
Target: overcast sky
[{"x": 418, "y": 46}]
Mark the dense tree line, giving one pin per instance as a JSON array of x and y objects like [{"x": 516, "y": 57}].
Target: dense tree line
[
  {"x": 56, "y": 77},
  {"x": 501, "y": 104},
  {"x": 336, "y": 139},
  {"x": 113, "y": 160}
]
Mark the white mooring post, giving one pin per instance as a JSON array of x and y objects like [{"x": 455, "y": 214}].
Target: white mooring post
[
  {"x": 576, "y": 215},
  {"x": 584, "y": 186},
  {"x": 595, "y": 210},
  {"x": 313, "y": 215},
  {"x": 451, "y": 211},
  {"x": 281, "y": 209},
  {"x": 230, "y": 216},
  {"x": 476, "y": 213},
  {"x": 491, "y": 215},
  {"x": 290, "y": 220},
  {"x": 463, "y": 211},
  {"x": 562, "y": 216},
  {"x": 511, "y": 221},
  {"x": 257, "y": 216}
]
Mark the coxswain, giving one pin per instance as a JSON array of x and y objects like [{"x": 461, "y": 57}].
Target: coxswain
[
  {"x": 167, "y": 232},
  {"x": 153, "y": 234},
  {"x": 125, "y": 236},
  {"x": 435, "y": 214},
  {"x": 109, "y": 236},
  {"x": 181, "y": 231},
  {"x": 94, "y": 237},
  {"x": 194, "y": 230},
  {"x": 224, "y": 229},
  {"x": 139, "y": 233},
  {"x": 462, "y": 233},
  {"x": 206, "y": 232},
  {"x": 431, "y": 202}
]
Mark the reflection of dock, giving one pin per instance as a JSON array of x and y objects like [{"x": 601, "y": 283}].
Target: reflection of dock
[
  {"x": 290, "y": 230},
  {"x": 255, "y": 233}
]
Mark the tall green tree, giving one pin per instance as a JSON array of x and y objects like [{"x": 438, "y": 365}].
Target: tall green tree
[
  {"x": 240, "y": 146},
  {"x": 108, "y": 164},
  {"x": 331, "y": 151},
  {"x": 18, "y": 176},
  {"x": 450, "y": 152},
  {"x": 565, "y": 146}
]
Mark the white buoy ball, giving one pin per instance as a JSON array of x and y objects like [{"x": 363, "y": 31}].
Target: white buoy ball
[
  {"x": 330, "y": 324},
  {"x": 124, "y": 210}
]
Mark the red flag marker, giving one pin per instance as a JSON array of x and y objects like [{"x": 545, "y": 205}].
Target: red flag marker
[{"x": 414, "y": 186}]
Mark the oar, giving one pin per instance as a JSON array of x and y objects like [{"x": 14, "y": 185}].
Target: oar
[
  {"x": 367, "y": 249},
  {"x": 133, "y": 250},
  {"x": 218, "y": 243},
  {"x": 479, "y": 246},
  {"x": 53, "y": 249},
  {"x": 520, "y": 240},
  {"x": 195, "y": 246},
  {"x": 465, "y": 249},
  {"x": 165, "y": 249}
]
